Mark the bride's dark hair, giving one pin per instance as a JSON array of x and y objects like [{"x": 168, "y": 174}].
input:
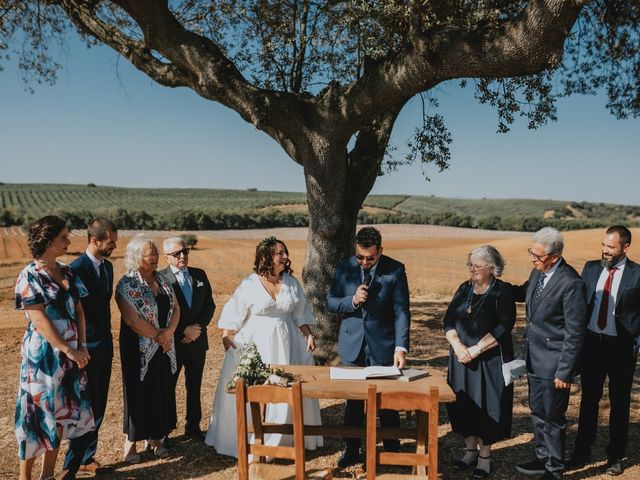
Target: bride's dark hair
[{"x": 263, "y": 263}]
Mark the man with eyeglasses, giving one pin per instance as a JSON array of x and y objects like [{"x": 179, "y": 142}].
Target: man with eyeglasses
[
  {"x": 613, "y": 294},
  {"x": 370, "y": 292},
  {"x": 556, "y": 324},
  {"x": 195, "y": 297}
]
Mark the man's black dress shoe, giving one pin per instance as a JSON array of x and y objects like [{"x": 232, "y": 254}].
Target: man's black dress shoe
[
  {"x": 577, "y": 461},
  {"x": 534, "y": 467},
  {"x": 547, "y": 475},
  {"x": 196, "y": 435},
  {"x": 614, "y": 467},
  {"x": 348, "y": 458}
]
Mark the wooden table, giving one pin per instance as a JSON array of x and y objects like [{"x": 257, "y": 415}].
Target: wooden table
[{"x": 316, "y": 384}]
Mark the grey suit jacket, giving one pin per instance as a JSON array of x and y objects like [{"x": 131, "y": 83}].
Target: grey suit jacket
[
  {"x": 627, "y": 311},
  {"x": 556, "y": 325}
]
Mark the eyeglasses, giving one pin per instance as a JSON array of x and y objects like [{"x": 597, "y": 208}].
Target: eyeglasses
[
  {"x": 539, "y": 258},
  {"x": 473, "y": 266},
  {"x": 176, "y": 254},
  {"x": 368, "y": 258}
]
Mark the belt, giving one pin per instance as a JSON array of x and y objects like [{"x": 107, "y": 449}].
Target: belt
[{"x": 602, "y": 337}]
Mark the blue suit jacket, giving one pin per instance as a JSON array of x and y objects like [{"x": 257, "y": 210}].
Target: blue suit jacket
[
  {"x": 96, "y": 306},
  {"x": 627, "y": 311},
  {"x": 383, "y": 321}
]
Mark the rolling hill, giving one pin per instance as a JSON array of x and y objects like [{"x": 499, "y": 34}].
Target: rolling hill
[{"x": 195, "y": 209}]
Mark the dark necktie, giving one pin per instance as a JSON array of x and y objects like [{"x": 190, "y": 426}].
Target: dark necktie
[
  {"x": 604, "y": 302},
  {"x": 537, "y": 292},
  {"x": 104, "y": 280}
]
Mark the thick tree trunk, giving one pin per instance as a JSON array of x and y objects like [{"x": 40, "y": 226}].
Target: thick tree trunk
[{"x": 335, "y": 196}]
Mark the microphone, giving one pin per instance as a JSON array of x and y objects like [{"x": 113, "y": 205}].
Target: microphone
[
  {"x": 367, "y": 277},
  {"x": 366, "y": 281}
]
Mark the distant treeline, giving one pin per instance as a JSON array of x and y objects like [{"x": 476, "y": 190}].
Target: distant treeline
[{"x": 186, "y": 219}]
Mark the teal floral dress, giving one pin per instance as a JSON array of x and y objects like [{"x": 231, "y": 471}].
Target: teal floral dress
[{"x": 53, "y": 390}]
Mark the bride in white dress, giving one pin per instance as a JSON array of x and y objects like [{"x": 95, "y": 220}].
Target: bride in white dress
[{"x": 270, "y": 309}]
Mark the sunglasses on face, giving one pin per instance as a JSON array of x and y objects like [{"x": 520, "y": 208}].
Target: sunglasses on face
[
  {"x": 177, "y": 253},
  {"x": 362, "y": 258}
]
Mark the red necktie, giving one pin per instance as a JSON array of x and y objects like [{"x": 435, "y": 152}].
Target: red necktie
[{"x": 604, "y": 303}]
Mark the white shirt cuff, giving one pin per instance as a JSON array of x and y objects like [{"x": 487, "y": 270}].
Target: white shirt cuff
[{"x": 401, "y": 349}]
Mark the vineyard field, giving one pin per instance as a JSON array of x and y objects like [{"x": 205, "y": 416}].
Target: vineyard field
[{"x": 213, "y": 209}]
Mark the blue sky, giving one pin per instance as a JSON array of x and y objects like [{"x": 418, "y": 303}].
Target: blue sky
[{"x": 105, "y": 122}]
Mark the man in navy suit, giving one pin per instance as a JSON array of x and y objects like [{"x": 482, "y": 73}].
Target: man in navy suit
[
  {"x": 195, "y": 297},
  {"x": 371, "y": 293},
  {"x": 613, "y": 295},
  {"x": 96, "y": 272},
  {"x": 555, "y": 330}
]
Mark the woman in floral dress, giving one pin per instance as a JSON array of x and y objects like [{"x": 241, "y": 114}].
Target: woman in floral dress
[{"x": 53, "y": 401}]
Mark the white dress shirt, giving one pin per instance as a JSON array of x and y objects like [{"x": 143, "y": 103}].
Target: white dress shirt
[{"x": 610, "y": 329}]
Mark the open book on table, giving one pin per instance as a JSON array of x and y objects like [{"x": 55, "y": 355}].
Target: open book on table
[{"x": 336, "y": 373}]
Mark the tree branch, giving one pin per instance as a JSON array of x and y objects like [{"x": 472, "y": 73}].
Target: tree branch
[
  {"x": 525, "y": 45},
  {"x": 83, "y": 17},
  {"x": 196, "y": 62},
  {"x": 365, "y": 159}
]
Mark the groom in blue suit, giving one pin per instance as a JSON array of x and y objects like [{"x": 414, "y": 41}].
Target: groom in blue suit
[{"x": 370, "y": 292}]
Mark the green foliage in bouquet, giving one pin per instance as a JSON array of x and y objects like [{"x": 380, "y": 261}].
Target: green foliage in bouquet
[{"x": 250, "y": 368}]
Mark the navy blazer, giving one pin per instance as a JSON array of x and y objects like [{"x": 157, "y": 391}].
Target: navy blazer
[
  {"x": 201, "y": 310},
  {"x": 557, "y": 325},
  {"x": 627, "y": 312},
  {"x": 96, "y": 306},
  {"x": 383, "y": 320}
]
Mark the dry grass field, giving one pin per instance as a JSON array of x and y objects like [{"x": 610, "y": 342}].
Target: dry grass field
[{"x": 435, "y": 259}]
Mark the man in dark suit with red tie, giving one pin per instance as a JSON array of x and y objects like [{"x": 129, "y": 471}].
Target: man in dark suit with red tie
[
  {"x": 613, "y": 296},
  {"x": 96, "y": 272},
  {"x": 195, "y": 297}
]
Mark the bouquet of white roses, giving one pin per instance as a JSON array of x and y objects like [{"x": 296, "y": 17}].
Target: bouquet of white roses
[
  {"x": 254, "y": 371},
  {"x": 250, "y": 368}
]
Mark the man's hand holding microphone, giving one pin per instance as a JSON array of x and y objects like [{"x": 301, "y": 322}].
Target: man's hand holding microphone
[{"x": 360, "y": 297}]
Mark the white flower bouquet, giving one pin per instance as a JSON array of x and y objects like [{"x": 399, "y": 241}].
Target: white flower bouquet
[{"x": 254, "y": 371}]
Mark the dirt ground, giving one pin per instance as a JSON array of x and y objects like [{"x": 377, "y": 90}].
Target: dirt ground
[{"x": 435, "y": 259}]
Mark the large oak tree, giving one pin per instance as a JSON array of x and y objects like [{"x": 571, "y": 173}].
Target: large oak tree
[{"x": 327, "y": 79}]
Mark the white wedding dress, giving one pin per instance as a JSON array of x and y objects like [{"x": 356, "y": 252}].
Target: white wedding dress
[{"x": 273, "y": 326}]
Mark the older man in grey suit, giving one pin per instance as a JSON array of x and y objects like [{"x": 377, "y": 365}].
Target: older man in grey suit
[{"x": 555, "y": 331}]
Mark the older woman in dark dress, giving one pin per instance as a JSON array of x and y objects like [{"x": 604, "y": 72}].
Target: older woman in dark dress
[
  {"x": 150, "y": 316},
  {"x": 478, "y": 326}
]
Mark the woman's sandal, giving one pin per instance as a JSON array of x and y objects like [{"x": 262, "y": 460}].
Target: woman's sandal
[
  {"x": 157, "y": 448},
  {"x": 129, "y": 455},
  {"x": 470, "y": 457},
  {"x": 480, "y": 473}
]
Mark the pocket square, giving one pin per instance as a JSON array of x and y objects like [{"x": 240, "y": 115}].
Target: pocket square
[{"x": 199, "y": 284}]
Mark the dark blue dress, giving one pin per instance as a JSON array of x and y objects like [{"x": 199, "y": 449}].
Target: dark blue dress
[{"x": 483, "y": 405}]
